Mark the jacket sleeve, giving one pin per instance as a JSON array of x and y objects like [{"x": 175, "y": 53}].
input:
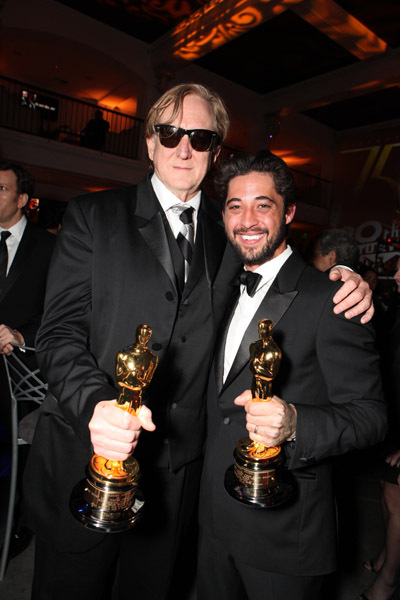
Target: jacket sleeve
[
  {"x": 63, "y": 341},
  {"x": 355, "y": 415}
]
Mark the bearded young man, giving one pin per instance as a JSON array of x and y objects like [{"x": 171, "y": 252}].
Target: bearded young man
[{"x": 327, "y": 400}]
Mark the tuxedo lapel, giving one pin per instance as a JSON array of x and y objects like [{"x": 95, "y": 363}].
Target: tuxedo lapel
[
  {"x": 275, "y": 304},
  {"x": 219, "y": 356},
  {"x": 152, "y": 229},
  {"x": 213, "y": 238},
  {"x": 25, "y": 248}
]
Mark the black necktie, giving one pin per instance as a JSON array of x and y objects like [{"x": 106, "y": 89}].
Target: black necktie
[
  {"x": 3, "y": 254},
  {"x": 249, "y": 279},
  {"x": 185, "y": 237}
]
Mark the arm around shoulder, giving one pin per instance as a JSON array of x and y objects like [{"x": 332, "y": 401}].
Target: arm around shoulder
[{"x": 354, "y": 413}]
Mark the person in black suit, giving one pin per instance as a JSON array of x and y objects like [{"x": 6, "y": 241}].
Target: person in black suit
[
  {"x": 118, "y": 263},
  {"x": 327, "y": 400},
  {"x": 25, "y": 254},
  {"x": 27, "y": 251}
]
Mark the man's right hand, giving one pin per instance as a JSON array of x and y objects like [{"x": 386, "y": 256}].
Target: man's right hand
[
  {"x": 114, "y": 433},
  {"x": 8, "y": 337}
]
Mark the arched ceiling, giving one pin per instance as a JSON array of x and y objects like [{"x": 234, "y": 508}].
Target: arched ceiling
[{"x": 340, "y": 57}]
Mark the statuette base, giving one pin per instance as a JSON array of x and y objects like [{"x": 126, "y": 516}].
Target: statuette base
[
  {"x": 108, "y": 503},
  {"x": 257, "y": 481}
]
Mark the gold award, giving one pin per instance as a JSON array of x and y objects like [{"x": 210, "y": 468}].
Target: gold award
[
  {"x": 255, "y": 478},
  {"x": 109, "y": 499}
]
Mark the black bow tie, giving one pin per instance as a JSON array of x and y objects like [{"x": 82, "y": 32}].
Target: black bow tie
[{"x": 249, "y": 279}]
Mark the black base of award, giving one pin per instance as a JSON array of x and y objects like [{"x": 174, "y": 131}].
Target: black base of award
[
  {"x": 108, "y": 505},
  {"x": 257, "y": 482}
]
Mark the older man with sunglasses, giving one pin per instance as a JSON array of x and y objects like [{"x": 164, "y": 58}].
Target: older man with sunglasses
[{"x": 145, "y": 254}]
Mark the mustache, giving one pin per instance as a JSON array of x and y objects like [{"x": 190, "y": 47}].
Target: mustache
[{"x": 245, "y": 230}]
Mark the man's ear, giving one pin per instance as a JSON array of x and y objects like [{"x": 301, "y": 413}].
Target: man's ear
[
  {"x": 151, "y": 142},
  {"x": 290, "y": 212},
  {"x": 216, "y": 154},
  {"x": 332, "y": 257},
  {"x": 22, "y": 200}
]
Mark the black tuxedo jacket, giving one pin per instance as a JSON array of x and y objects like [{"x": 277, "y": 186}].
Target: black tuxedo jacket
[
  {"x": 22, "y": 296},
  {"x": 113, "y": 269},
  {"x": 329, "y": 371}
]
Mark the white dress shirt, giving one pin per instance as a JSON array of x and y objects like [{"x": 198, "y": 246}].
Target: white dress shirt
[
  {"x": 168, "y": 200},
  {"x": 247, "y": 307},
  {"x": 17, "y": 231}
]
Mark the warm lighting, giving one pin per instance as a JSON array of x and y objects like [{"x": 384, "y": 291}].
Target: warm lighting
[
  {"x": 340, "y": 26},
  {"x": 214, "y": 24},
  {"x": 34, "y": 203},
  {"x": 197, "y": 43},
  {"x": 291, "y": 159},
  {"x": 220, "y": 21},
  {"x": 126, "y": 102}
]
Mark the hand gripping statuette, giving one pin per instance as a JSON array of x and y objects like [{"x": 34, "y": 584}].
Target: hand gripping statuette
[
  {"x": 255, "y": 478},
  {"x": 109, "y": 500}
]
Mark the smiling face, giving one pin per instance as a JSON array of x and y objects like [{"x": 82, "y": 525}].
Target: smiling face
[
  {"x": 255, "y": 219},
  {"x": 182, "y": 169},
  {"x": 11, "y": 202}
]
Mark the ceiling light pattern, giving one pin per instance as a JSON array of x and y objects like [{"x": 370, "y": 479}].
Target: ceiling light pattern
[
  {"x": 214, "y": 24},
  {"x": 199, "y": 43}
]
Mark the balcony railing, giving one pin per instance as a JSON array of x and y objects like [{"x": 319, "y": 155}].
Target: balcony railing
[{"x": 39, "y": 112}]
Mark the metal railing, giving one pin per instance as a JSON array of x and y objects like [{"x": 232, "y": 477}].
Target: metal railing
[{"x": 39, "y": 112}]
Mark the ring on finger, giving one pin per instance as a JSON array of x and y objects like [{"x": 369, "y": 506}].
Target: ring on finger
[{"x": 256, "y": 429}]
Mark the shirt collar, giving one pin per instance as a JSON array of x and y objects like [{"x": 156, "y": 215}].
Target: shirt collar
[
  {"x": 18, "y": 229},
  {"x": 270, "y": 269},
  {"x": 167, "y": 199}
]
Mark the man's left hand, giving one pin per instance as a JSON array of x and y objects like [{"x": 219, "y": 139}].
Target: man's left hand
[
  {"x": 355, "y": 294},
  {"x": 274, "y": 421}
]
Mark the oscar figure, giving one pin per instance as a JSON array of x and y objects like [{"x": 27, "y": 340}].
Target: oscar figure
[
  {"x": 109, "y": 500},
  {"x": 255, "y": 478}
]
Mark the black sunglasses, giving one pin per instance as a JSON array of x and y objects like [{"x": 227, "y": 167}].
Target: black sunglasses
[{"x": 201, "y": 140}]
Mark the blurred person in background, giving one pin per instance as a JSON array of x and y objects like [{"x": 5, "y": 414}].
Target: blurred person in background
[
  {"x": 25, "y": 253},
  {"x": 386, "y": 563},
  {"x": 335, "y": 247}
]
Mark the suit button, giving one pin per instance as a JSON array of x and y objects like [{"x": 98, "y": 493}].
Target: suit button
[
  {"x": 156, "y": 346},
  {"x": 183, "y": 339},
  {"x": 174, "y": 405},
  {"x": 226, "y": 420},
  {"x": 169, "y": 296}
]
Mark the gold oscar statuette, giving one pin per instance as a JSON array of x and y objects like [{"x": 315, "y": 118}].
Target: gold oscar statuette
[
  {"x": 256, "y": 477},
  {"x": 109, "y": 499}
]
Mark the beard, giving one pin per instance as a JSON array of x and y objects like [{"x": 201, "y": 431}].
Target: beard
[{"x": 258, "y": 256}]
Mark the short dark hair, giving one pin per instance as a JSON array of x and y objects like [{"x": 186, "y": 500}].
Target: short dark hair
[
  {"x": 25, "y": 181},
  {"x": 345, "y": 246},
  {"x": 262, "y": 161}
]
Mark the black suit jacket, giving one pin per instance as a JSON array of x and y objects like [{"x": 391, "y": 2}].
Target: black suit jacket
[
  {"x": 329, "y": 371},
  {"x": 22, "y": 296},
  {"x": 22, "y": 301},
  {"x": 113, "y": 270}
]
